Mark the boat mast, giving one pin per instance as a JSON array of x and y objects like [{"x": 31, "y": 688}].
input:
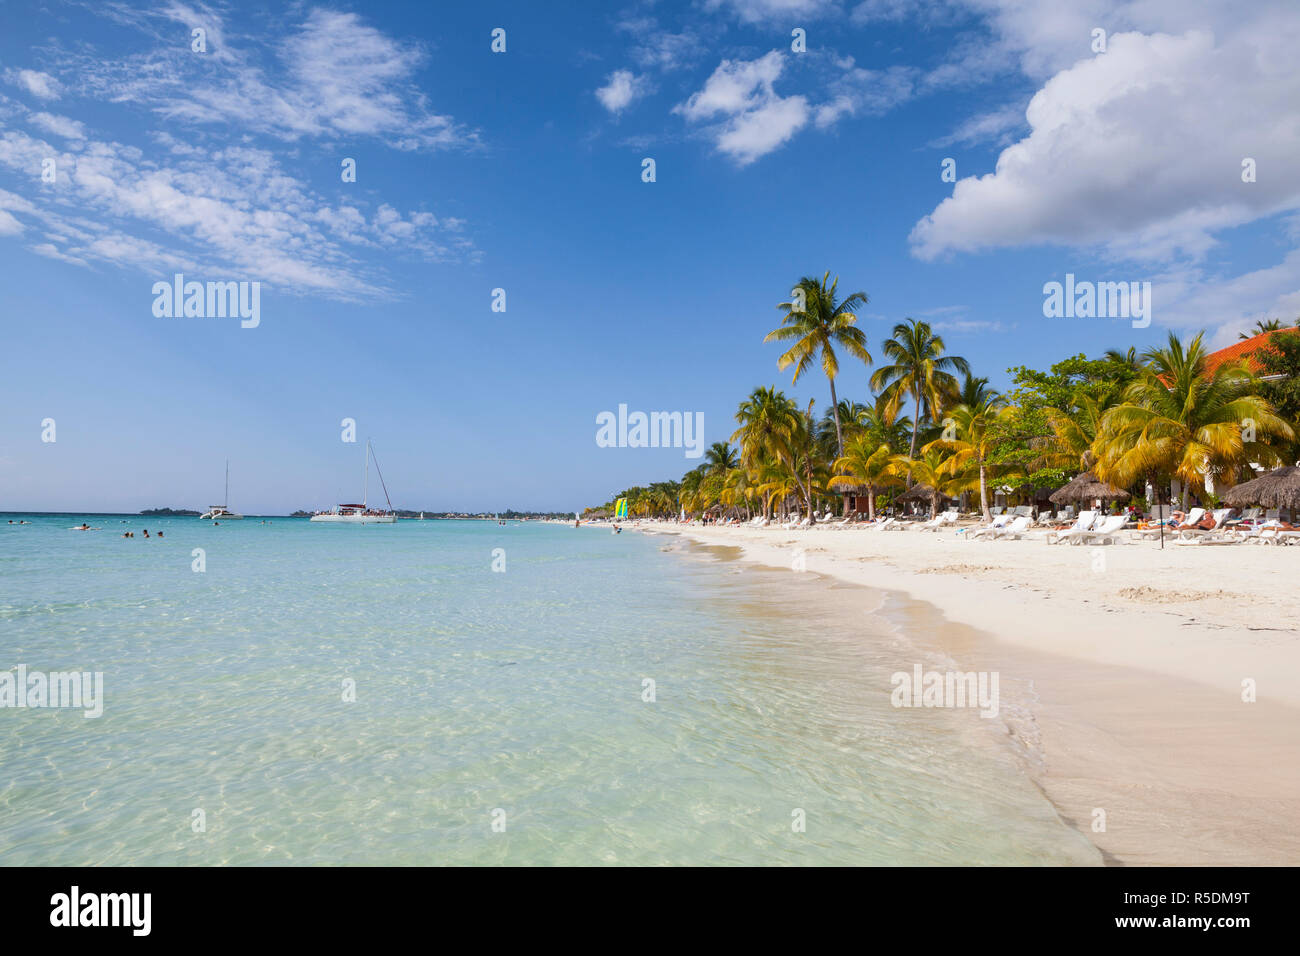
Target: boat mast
[
  {"x": 365, "y": 481},
  {"x": 226, "y": 503}
]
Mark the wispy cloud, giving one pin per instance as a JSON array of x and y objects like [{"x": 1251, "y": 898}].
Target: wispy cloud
[
  {"x": 329, "y": 75},
  {"x": 38, "y": 84},
  {"x": 212, "y": 193}
]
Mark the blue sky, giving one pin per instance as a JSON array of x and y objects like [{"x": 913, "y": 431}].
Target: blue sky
[{"x": 522, "y": 171}]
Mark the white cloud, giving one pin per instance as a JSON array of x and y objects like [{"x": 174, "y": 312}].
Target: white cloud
[
  {"x": 751, "y": 118},
  {"x": 995, "y": 126},
  {"x": 49, "y": 251},
  {"x": 333, "y": 76},
  {"x": 768, "y": 11},
  {"x": 1140, "y": 149},
  {"x": 9, "y": 226},
  {"x": 621, "y": 89},
  {"x": 235, "y": 211},
  {"x": 659, "y": 49},
  {"x": 59, "y": 125},
  {"x": 39, "y": 84}
]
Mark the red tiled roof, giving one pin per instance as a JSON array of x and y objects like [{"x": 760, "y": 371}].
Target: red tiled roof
[{"x": 1247, "y": 349}]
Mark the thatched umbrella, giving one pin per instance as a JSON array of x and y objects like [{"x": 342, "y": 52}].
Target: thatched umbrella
[
  {"x": 1087, "y": 488},
  {"x": 923, "y": 493},
  {"x": 1278, "y": 489}
]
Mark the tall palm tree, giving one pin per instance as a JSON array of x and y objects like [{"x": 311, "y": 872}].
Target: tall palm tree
[
  {"x": 919, "y": 369},
  {"x": 816, "y": 326},
  {"x": 1184, "y": 420},
  {"x": 1260, "y": 327}
]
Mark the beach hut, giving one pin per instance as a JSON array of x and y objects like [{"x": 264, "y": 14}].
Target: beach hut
[
  {"x": 1280, "y": 488},
  {"x": 1086, "y": 489},
  {"x": 923, "y": 493}
]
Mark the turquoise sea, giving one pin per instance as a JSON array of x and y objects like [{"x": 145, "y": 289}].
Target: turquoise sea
[{"x": 499, "y": 716}]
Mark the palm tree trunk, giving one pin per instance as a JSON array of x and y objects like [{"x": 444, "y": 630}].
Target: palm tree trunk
[
  {"x": 839, "y": 442},
  {"x": 871, "y": 504},
  {"x": 916, "y": 426},
  {"x": 984, "y": 495}
]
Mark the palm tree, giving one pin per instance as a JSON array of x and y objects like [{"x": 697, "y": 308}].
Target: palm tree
[
  {"x": 1183, "y": 420},
  {"x": 975, "y": 391},
  {"x": 1260, "y": 327},
  {"x": 768, "y": 425},
  {"x": 865, "y": 463},
  {"x": 973, "y": 443},
  {"x": 930, "y": 470},
  {"x": 1074, "y": 433},
  {"x": 720, "y": 458},
  {"x": 919, "y": 369},
  {"x": 816, "y": 326},
  {"x": 1129, "y": 359}
]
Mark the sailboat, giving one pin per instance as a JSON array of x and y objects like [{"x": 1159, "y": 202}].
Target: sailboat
[
  {"x": 362, "y": 513},
  {"x": 223, "y": 511}
]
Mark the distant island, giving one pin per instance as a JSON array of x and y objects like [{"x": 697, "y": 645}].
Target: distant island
[{"x": 175, "y": 512}]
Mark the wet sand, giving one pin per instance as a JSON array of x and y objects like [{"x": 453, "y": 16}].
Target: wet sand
[{"x": 1127, "y": 718}]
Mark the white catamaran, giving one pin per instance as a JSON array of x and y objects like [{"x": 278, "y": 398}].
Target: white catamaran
[
  {"x": 362, "y": 513},
  {"x": 223, "y": 511}
]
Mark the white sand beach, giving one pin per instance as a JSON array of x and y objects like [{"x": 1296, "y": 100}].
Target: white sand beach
[{"x": 1136, "y": 657}]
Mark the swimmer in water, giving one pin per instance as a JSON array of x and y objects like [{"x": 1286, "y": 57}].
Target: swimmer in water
[{"x": 160, "y": 534}]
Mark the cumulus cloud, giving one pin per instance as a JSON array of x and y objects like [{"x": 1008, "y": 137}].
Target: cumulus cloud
[
  {"x": 1141, "y": 149},
  {"x": 621, "y": 89},
  {"x": 749, "y": 119}
]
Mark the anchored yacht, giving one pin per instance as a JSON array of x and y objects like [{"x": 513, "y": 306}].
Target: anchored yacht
[
  {"x": 361, "y": 513},
  {"x": 223, "y": 511}
]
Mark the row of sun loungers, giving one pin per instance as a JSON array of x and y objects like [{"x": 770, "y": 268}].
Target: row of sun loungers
[{"x": 1088, "y": 528}]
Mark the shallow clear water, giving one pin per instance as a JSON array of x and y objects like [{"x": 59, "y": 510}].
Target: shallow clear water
[{"x": 475, "y": 691}]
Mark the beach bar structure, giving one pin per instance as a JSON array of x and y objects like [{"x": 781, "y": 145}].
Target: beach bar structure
[{"x": 1087, "y": 488}]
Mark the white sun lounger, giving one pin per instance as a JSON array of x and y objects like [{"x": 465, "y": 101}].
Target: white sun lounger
[
  {"x": 934, "y": 524},
  {"x": 999, "y": 522},
  {"x": 1083, "y": 523},
  {"x": 1106, "y": 532},
  {"x": 1013, "y": 530}
]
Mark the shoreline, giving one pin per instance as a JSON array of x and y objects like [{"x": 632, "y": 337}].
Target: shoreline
[{"x": 1138, "y": 715}]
